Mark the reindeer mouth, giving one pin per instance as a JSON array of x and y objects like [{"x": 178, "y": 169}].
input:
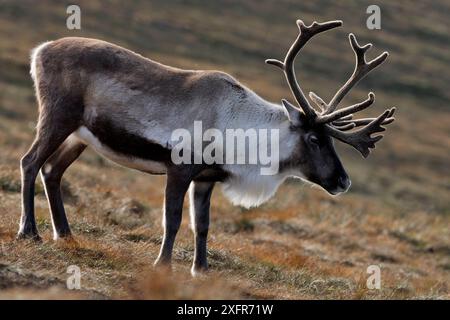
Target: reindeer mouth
[
  {"x": 337, "y": 191},
  {"x": 342, "y": 186}
]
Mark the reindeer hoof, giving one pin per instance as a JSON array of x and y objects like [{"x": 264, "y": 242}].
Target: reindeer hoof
[
  {"x": 198, "y": 271},
  {"x": 163, "y": 264},
  {"x": 67, "y": 240},
  {"x": 28, "y": 236},
  {"x": 62, "y": 233}
]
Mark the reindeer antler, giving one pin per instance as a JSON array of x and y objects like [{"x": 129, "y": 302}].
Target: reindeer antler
[
  {"x": 306, "y": 33},
  {"x": 336, "y": 122},
  {"x": 361, "y": 139}
]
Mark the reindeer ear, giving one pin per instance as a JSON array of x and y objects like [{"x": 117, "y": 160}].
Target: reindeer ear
[{"x": 293, "y": 112}]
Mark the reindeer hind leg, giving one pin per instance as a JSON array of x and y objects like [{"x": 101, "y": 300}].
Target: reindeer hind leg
[
  {"x": 57, "y": 120},
  {"x": 51, "y": 174}
]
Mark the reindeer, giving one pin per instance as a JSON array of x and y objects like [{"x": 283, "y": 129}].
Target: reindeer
[{"x": 125, "y": 106}]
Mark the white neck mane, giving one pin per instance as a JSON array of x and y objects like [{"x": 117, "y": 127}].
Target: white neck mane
[{"x": 246, "y": 186}]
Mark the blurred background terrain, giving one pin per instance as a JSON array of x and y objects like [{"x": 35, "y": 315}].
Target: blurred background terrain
[{"x": 302, "y": 243}]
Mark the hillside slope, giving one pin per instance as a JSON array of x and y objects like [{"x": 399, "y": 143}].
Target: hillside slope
[{"x": 302, "y": 244}]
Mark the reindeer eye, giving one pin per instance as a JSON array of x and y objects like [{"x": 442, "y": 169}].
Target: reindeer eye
[{"x": 314, "y": 140}]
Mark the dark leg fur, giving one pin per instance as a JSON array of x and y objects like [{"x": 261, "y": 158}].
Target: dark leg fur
[
  {"x": 177, "y": 185},
  {"x": 51, "y": 174},
  {"x": 56, "y": 122},
  {"x": 200, "y": 196}
]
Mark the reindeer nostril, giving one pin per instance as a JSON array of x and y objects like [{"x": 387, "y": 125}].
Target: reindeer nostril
[{"x": 344, "y": 182}]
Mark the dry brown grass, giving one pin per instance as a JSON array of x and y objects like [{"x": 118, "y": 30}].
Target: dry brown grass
[{"x": 302, "y": 244}]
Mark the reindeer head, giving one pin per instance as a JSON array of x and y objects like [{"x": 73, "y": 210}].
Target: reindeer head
[{"x": 318, "y": 160}]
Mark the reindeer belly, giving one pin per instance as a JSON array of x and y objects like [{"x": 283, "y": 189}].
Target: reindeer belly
[{"x": 139, "y": 154}]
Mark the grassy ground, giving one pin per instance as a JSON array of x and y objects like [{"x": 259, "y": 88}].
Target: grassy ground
[{"x": 302, "y": 243}]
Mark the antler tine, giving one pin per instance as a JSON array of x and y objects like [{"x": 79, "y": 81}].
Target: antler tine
[
  {"x": 306, "y": 33},
  {"x": 345, "y": 123},
  {"x": 348, "y": 117},
  {"x": 361, "y": 139},
  {"x": 348, "y": 110},
  {"x": 361, "y": 122},
  {"x": 318, "y": 101},
  {"x": 344, "y": 127},
  {"x": 362, "y": 68}
]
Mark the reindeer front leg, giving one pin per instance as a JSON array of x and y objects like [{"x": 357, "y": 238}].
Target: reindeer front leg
[
  {"x": 199, "y": 198},
  {"x": 176, "y": 187}
]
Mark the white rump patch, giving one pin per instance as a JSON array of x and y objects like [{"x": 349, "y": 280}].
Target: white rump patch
[{"x": 33, "y": 57}]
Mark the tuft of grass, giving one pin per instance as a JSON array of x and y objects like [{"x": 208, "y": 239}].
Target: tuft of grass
[
  {"x": 9, "y": 185},
  {"x": 136, "y": 237},
  {"x": 163, "y": 284},
  {"x": 408, "y": 239}
]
